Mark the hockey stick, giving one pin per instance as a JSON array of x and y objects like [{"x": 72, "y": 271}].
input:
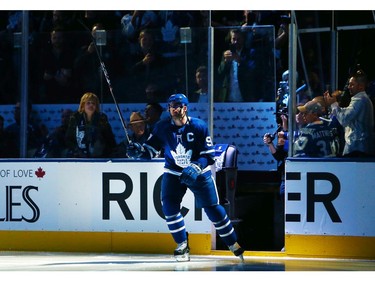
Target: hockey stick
[{"x": 102, "y": 65}]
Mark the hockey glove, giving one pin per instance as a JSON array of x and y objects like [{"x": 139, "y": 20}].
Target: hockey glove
[
  {"x": 135, "y": 150},
  {"x": 190, "y": 174}
]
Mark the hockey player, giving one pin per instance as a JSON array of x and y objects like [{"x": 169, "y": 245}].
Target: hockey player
[{"x": 189, "y": 152}]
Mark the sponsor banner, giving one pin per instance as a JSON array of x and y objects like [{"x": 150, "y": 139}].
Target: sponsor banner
[
  {"x": 88, "y": 196},
  {"x": 330, "y": 197}
]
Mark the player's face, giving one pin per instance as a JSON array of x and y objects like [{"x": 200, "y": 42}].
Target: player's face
[{"x": 177, "y": 110}]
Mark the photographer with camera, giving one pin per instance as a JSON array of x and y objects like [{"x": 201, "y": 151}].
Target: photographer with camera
[
  {"x": 280, "y": 151},
  {"x": 357, "y": 118},
  {"x": 237, "y": 71}
]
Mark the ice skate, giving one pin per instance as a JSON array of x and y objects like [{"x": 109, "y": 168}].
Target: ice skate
[
  {"x": 182, "y": 252},
  {"x": 237, "y": 251}
]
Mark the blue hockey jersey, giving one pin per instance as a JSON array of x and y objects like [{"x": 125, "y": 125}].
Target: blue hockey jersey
[
  {"x": 182, "y": 144},
  {"x": 316, "y": 140}
]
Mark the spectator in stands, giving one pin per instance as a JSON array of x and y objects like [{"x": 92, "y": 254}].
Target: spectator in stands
[
  {"x": 57, "y": 19},
  {"x": 89, "y": 133},
  {"x": 138, "y": 126},
  {"x": 316, "y": 139},
  {"x": 13, "y": 134},
  {"x": 54, "y": 146},
  {"x": 139, "y": 132},
  {"x": 87, "y": 69},
  {"x": 57, "y": 70},
  {"x": 357, "y": 119},
  {"x": 146, "y": 66},
  {"x": 148, "y": 60},
  {"x": 281, "y": 21},
  {"x": 333, "y": 123},
  {"x": 153, "y": 114},
  {"x": 201, "y": 79},
  {"x": 134, "y": 23},
  {"x": 154, "y": 94},
  {"x": 236, "y": 71}
]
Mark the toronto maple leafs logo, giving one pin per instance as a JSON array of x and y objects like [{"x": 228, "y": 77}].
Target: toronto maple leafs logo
[
  {"x": 181, "y": 156},
  {"x": 219, "y": 161},
  {"x": 169, "y": 32}
]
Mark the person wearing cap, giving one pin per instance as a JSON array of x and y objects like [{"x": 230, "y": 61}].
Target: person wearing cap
[
  {"x": 316, "y": 139},
  {"x": 332, "y": 122},
  {"x": 189, "y": 153},
  {"x": 357, "y": 118},
  {"x": 138, "y": 133},
  {"x": 139, "y": 128}
]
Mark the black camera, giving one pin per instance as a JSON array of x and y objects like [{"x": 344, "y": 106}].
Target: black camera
[
  {"x": 282, "y": 111},
  {"x": 271, "y": 136}
]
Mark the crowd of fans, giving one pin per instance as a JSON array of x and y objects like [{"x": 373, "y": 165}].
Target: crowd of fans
[
  {"x": 140, "y": 56},
  {"x": 138, "y": 48}
]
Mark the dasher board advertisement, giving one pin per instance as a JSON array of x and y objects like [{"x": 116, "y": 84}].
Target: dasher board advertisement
[
  {"x": 330, "y": 197},
  {"x": 88, "y": 196}
]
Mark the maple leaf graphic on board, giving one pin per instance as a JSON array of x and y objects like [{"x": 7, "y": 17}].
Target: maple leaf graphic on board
[{"x": 40, "y": 173}]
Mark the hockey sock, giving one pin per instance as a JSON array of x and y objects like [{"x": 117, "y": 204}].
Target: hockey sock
[
  {"x": 176, "y": 227},
  {"x": 222, "y": 224}
]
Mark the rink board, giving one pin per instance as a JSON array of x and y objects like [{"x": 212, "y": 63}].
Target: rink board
[
  {"x": 107, "y": 206},
  {"x": 329, "y": 207},
  {"x": 90, "y": 206}
]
